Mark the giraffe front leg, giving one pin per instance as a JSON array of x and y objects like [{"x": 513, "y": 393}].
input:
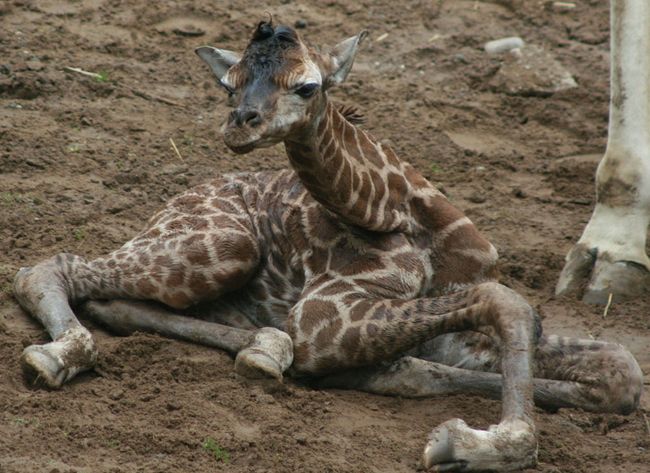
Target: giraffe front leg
[
  {"x": 333, "y": 332},
  {"x": 199, "y": 247},
  {"x": 42, "y": 291},
  {"x": 269, "y": 355},
  {"x": 507, "y": 446},
  {"x": 512, "y": 443},
  {"x": 263, "y": 353}
]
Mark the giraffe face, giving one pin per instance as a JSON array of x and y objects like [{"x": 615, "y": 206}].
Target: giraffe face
[{"x": 277, "y": 87}]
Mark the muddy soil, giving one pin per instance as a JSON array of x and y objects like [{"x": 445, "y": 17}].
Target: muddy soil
[{"x": 83, "y": 163}]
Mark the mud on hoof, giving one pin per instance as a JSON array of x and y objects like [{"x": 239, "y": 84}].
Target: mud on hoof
[
  {"x": 59, "y": 361},
  {"x": 270, "y": 354},
  {"x": 453, "y": 446}
]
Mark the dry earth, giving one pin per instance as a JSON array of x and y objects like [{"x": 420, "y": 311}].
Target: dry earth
[{"x": 84, "y": 162}]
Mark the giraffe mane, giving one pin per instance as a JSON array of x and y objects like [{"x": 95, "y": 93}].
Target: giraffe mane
[{"x": 351, "y": 114}]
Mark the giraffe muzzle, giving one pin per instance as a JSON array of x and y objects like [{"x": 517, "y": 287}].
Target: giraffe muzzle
[
  {"x": 241, "y": 139},
  {"x": 244, "y": 130}
]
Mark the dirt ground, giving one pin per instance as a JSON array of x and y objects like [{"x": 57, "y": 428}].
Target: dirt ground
[{"x": 83, "y": 163}]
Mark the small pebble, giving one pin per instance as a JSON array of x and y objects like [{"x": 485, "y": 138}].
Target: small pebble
[
  {"x": 116, "y": 394},
  {"x": 265, "y": 399},
  {"x": 460, "y": 58},
  {"x": 517, "y": 192},
  {"x": 48, "y": 240},
  {"x": 300, "y": 24},
  {"x": 22, "y": 243},
  {"x": 189, "y": 30},
  {"x": 34, "y": 65},
  {"x": 477, "y": 198},
  {"x": 503, "y": 45},
  {"x": 562, "y": 6}
]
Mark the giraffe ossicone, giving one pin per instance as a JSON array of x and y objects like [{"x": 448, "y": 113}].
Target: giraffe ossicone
[{"x": 349, "y": 268}]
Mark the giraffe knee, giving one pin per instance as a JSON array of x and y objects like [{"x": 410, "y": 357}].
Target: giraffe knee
[
  {"x": 30, "y": 282},
  {"x": 509, "y": 309}
]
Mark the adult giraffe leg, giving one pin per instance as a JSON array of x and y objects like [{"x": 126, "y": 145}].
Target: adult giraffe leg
[
  {"x": 199, "y": 247},
  {"x": 610, "y": 256},
  {"x": 334, "y": 330},
  {"x": 586, "y": 374}
]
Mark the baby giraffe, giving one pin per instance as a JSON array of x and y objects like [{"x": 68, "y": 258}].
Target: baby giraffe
[{"x": 349, "y": 268}]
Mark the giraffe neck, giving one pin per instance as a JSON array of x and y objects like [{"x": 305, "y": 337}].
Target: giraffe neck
[{"x": 351, "y": 174}]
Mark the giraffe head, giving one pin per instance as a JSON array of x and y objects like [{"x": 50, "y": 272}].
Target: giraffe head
[{"x": 278, "y": 86}]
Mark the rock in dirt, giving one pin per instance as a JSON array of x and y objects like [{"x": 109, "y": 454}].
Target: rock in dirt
[
  {"x": 116, "y": 394},
  {"x": 559, "y": 6},
  {"x": 519, "y": 193},
  {"x": 183, "y": 26},
  {"x": 34, "y": 65},
  {"x": 300, "y": 438},
  {"x": 531, "y": 71},
  {"x": 503, "y": 45},
  {"x": 477, "y": 198},
  {"x": 188, "y": 31}
]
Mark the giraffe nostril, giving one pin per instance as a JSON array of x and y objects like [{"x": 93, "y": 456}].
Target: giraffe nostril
[
  {"x": 252, "y": 118},
  {"x": 248, "y": 117}
]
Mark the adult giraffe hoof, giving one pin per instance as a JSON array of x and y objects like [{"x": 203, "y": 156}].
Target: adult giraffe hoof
[
  {"x": 270, "y": 355},
  {"x": 59, "y": 361},
  {"x": 453, "y": 446},
  {"x": 594, "y": 276}
]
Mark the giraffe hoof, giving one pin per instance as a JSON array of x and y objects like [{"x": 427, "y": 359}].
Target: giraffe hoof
[
  {"x": 594, "y": 276},
  {"x": 270, "y": 354},
  {"x": 453, "y": 446},
  {"x": 623, "y": 279},
  {"x": 59, "y": 361}
]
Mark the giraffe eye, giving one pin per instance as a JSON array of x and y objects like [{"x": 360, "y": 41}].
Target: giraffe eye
[{"x": 307, "y": 90}]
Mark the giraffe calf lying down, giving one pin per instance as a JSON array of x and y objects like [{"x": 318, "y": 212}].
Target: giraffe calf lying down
[{"x": 350, "y": 268}]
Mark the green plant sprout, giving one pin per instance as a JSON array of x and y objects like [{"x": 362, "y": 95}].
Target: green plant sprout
[{"x": 220, "y": 454}]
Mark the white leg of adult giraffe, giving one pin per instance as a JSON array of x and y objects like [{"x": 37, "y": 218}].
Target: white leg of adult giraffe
[{"x": 610, "y": 257}]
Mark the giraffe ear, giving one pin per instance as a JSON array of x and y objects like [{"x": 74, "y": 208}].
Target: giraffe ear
[
  {"x": 219, "y": 60},
  {"x": 342, "y": 57}
]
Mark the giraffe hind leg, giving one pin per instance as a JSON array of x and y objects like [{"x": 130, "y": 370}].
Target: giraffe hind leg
[
  {"x": 591, "y": 374},
  {"x": 585, "y": 374}
]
